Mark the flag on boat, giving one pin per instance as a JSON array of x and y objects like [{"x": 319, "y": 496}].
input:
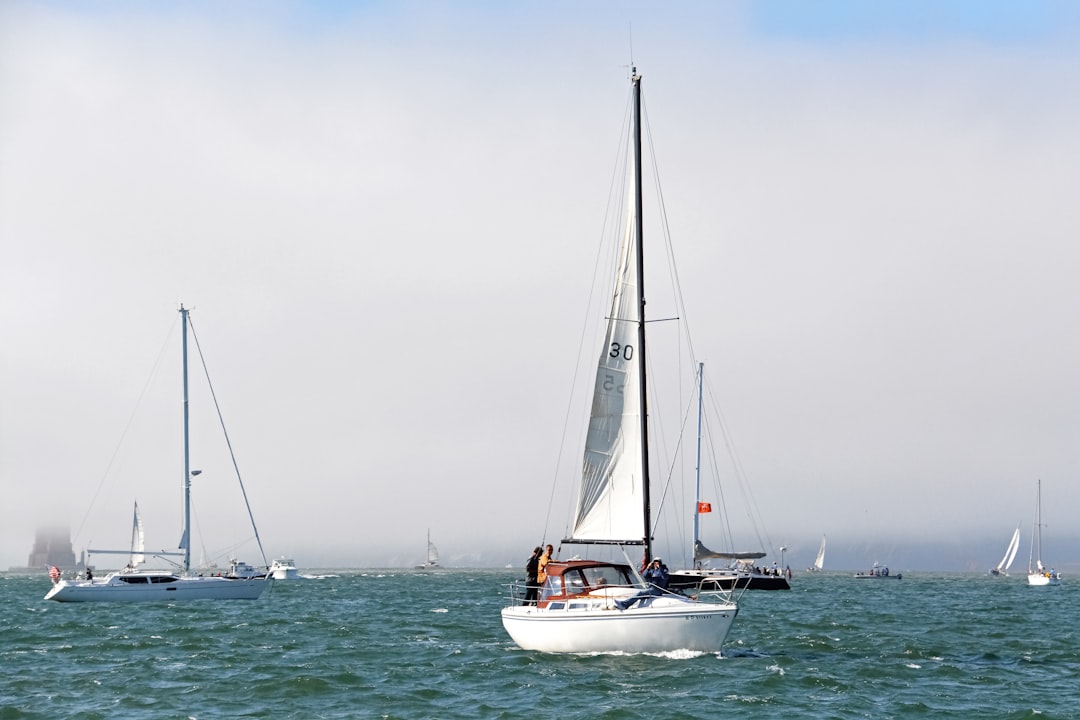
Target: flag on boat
[{"x": 704, "y": 507}]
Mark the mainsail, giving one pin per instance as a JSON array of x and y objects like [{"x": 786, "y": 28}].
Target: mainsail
[
  {"x": 819, "y": 561},
  {"x": 138, "y": 539},
  {"x": 1010, "y": 552},
  {"x": 613, "y": 475}
]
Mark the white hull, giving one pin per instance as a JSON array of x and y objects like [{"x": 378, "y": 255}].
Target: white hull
[
  {"x": 123, "y": 587},
  {"x": 667, "y": 624},
  {"x": 1040, "y": 579},
  {"x": 284, "y": 570}
]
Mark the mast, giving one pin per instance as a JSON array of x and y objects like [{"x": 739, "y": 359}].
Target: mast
[
  {"x": 186, "y": 535},
  {"x": 697, "y": 469},
  {"x": 639, "y": 240},
  {"x": 1036, "y": 531},
  {"x": 1038, "y": 523}
]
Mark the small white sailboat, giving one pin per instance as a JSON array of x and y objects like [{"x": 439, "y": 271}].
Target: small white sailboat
[
  {"x": 1037, "y": 573},
  {"x": 432, "y": 561},
  {"x": 134, "y": 584},
  {"x": 819, "y": 561},
  {"x": 593, "y": 606},
  {"x": 1002, "y": 568}
]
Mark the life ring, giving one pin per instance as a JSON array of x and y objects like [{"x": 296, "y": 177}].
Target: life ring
[{"x": 54, "y": 573}]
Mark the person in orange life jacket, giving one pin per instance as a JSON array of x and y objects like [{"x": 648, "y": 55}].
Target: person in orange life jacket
[{"x": 541, "y": 574}]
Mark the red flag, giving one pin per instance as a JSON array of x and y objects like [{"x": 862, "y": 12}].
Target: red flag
[{"x": 704, "y": 507}]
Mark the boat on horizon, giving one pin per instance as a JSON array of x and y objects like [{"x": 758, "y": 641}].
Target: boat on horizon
[
  {"x": 879, "y": 572},
  {"x": 432, "y": 561},
  {"x": 597, "y": 606},
  {"x": 284, "y": 568},
  {"x": 819, "y": 561},
  {"x": 741, "y": 572},
  {"x": 1002, "y": 568},
  {"x": 136, "y": 584},
  {"x": 1039, "y": 575}
]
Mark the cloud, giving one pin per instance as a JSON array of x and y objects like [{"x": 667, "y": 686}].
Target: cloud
[{"x": 386, "y": 221}]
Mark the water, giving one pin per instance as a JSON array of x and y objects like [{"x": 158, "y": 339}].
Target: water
[{"x": 399, "y": 644}]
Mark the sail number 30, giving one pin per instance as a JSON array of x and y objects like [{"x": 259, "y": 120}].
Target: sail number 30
[{"x": 625, "y": 352}]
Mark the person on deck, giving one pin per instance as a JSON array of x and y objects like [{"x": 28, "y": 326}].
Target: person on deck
[
  {"x": 657, "y": 575},
  {"x": 541, "y": 574},
  {"x": 532, "y": 570}
]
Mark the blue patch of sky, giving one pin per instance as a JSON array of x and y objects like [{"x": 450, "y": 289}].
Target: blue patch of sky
[{"x": 914, "y": 21}]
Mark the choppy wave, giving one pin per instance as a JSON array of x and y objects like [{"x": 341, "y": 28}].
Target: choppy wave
[{"x": 405, "y": 645}]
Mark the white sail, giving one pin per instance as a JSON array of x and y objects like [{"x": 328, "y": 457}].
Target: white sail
[
  {"x": 819, "y": 561},
  {"x": 1010, "y": 552},
  {"x": 432, "y": 560},
  {"x": 609, "y": 506},
  {"x": 138, "y": 539},
  {"x": 590, "y": 606}
]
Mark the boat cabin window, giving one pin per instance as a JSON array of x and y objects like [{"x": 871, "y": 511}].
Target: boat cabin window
[
  {"x": 163, "y": 579},
  {"x": 552, "y": 586},
  {"x": 600, "y": 576},
  {"x": 134, "y": 580},
  {"x": 574, "y": 582}
]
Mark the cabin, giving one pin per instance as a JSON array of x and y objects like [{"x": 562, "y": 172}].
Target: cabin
[{"x": 578, "y": 580}]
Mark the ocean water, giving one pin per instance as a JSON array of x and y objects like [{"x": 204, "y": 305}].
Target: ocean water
[{"x": 402, "y": 644}]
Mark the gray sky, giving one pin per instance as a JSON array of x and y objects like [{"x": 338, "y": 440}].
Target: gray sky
[{"x": 386, "y": 216}]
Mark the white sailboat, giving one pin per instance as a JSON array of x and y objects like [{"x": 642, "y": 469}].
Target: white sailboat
[
  {"x": 134, "y": 584},
  {"x": 432, "y": 561},
  {"x": 1037, "y": 573},
  {"x": 590, "y": 606},
  {"x": 819, "y": 561},
  {"x": 1002, "y": 568}
]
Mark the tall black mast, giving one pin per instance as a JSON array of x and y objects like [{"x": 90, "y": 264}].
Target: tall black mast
[{"x": 639, "y": 241}]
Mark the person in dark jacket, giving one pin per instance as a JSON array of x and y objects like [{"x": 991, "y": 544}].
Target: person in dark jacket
[
  {"x": 657, "y": 574},
  {"x": 532, "y": 569}
]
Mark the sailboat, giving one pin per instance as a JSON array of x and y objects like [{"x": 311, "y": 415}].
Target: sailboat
[
  {"x": 741, "y": 571},
  {"x": 819, "y": 561},
  {"x": 135, "y": 584},
  {"x": 593, "y": 606},
  {"x": 1002, "y": 568},
  {"x": 432, "y": 561},
  {"x": 1038, "y": 574}
]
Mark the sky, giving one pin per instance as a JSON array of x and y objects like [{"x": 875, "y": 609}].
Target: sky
[{"x": 386, "y": 217}]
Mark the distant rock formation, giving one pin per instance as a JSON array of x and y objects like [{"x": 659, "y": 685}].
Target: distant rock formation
[{"x": 52, "y": 546}]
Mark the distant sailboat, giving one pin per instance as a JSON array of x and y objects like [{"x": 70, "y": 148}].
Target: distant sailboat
[
  {"x": 432, "y": 556},
  {"x": 138, "y": 539},
  {"x": 1039, "y": 575},
  {"x": 819, "y": 561},
  {"x": 1002, "y": 568},
  {"x": 135, "y": 584},
  {"x": 741, "y": 571}
]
